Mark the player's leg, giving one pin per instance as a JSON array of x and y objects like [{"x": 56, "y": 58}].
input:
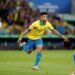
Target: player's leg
[
  {"x": 39, "y": 45},
  {"x": 30, "y": 44},
  {"x": 27, "y": 47}
]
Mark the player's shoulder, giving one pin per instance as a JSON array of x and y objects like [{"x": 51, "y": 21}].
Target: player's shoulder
[
  {"x": 37, "y": 21},
  {"x": 48, "y": 23}
]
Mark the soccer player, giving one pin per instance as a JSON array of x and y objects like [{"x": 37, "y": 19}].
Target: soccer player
[{"x": 34, "y": 34}]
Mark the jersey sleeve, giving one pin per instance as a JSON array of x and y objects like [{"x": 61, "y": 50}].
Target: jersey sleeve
[
  {"x": 32, "y": 26},
  {"x": 50, "y": 26}
]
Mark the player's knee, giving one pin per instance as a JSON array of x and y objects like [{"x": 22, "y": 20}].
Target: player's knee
[{"x": 39, "y": 49}]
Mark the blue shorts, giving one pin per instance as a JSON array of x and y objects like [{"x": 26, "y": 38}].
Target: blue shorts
[{"x": 31, "y": 43}]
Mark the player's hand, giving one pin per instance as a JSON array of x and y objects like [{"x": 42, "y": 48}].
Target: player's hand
[
  {"x": 65, "y": 39},
  {"x": 19, "y": 40}
]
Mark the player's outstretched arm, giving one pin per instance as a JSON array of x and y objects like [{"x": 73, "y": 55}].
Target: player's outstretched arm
[
  {"x": 57, "y": 33},
  {"x": 20, "y": 38}
]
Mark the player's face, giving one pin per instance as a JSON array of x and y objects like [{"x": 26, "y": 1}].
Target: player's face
[{"x": 44, "y": 18}]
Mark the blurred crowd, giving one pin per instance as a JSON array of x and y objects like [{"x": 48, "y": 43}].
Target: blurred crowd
[{"x": 17, "y": 15}]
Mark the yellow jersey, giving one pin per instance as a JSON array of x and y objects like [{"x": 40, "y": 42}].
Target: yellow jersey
[{"x": 37, "y": 29}]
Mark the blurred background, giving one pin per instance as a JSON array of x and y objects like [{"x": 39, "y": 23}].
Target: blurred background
[{"x": 17, "y": 15}]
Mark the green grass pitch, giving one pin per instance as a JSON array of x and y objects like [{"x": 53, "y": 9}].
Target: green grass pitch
[{"x": 54, "y": 62}]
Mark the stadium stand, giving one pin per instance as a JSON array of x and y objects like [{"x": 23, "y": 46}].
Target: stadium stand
[{"x": 17, "y": 15}]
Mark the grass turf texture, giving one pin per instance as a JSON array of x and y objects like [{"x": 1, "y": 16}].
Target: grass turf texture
[{"x": 52, "y": 63}]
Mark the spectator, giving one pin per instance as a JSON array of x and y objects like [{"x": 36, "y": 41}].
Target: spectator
[
  {"x": 10, "y": 18},
  {"x": 14, "y": 28},
  {"x": 60, "y": 26}
]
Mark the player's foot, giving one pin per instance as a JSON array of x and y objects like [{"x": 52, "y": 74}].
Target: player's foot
[
  {"x": 35, "y": 68},
  {"x": 24, "y": 43},
  {"x": 29, "y": 52}
]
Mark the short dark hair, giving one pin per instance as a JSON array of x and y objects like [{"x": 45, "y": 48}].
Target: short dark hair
[{"x": 43, "y": 13}]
